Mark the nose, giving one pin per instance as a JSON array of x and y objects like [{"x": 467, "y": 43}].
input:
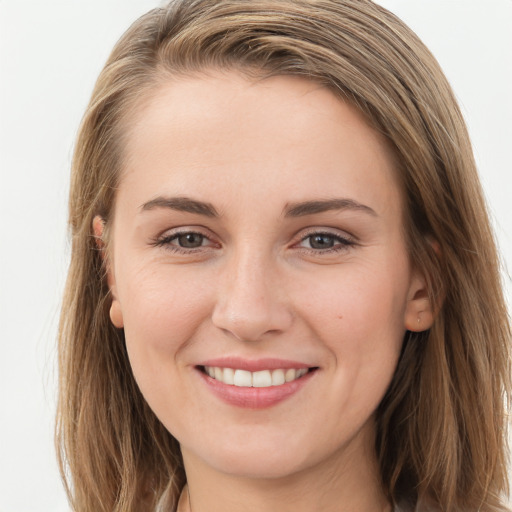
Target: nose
[{"x": 251, "y": 301}]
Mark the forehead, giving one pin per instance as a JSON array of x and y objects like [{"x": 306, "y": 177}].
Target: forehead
[{"x": 283, "y": 134}]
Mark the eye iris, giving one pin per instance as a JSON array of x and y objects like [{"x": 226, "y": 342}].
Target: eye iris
[
  {"x": 190, "y": 240},
  {"x": 321, "y": 241}
]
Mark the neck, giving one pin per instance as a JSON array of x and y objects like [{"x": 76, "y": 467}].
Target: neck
[{"x": 346, "y": 482}]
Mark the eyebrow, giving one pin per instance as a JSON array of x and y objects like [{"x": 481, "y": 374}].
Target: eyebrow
[
  {"x": 300, "y": 209},
  {"x": 312, "y": 207},
  {"x": 181, "y": 204}
]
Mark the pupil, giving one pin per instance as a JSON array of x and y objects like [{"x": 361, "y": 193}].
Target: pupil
[
  {"x": 190, "y": 240},
  {"x": 322, "y": 241}
]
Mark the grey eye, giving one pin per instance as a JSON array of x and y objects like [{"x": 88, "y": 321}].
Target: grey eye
[
  {"x": 321, "y": 241},
  {"x": 190, "y": 240}
]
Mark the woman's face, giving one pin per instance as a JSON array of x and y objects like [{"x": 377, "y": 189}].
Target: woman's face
[{"x": 258, "y": 236}]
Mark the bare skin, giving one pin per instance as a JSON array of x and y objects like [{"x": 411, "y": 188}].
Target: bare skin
[{"x": 261, "y": 221}]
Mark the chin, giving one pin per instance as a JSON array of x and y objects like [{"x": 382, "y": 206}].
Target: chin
[
  {"x": 270, "y": 458},
  {"x": 258, "y": 467}
]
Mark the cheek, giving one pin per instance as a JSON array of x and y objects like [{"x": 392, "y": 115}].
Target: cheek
[
  {"x": 358, "y": 316},
  {"x": 161, "y": 312},
  {"x": 356, "y": 301}
]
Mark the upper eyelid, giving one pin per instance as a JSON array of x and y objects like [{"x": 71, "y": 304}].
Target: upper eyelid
[
  {"x": 330, "y": 231},
  {"x": 338, "y": 241},
  {"x": 182, "y": 230},
  {"x": 172, "y": 234},
  {"x": 298, "y": 237}
]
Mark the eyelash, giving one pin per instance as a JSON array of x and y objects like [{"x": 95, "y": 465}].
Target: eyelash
[
  {"x": 166, "y": 242},
  {"x": 341, "y": 243}
]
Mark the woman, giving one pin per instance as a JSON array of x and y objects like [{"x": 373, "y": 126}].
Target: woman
[{"x": 284, "y": 291}]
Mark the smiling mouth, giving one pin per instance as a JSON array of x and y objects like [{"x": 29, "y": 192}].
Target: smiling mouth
[{"x": 259, "y": 379}]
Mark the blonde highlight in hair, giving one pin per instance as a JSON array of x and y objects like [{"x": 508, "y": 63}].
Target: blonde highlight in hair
[{"x": 441, "y": 428}]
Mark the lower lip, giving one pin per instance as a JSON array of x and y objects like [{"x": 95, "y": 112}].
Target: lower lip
[{"x": 255, "y": 398}]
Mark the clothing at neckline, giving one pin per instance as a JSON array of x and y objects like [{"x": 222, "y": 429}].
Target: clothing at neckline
[{"x": 184, "y": 504}]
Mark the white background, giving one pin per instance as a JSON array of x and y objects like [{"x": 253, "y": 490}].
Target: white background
[{"x": 50, "y": 54}]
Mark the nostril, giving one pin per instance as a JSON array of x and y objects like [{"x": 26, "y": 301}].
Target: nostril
[{"x": 251, "y": 323}]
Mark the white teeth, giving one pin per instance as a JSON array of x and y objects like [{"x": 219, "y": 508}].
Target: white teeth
[
  {"x": 218, "y": 374},
  {"x": 278, "y": 377},
  {"x": 243, "y": 378},
  {"x": 229, "y": 376},
  {"x": 261, "y": 379},
  {"x": 290, "y": 375}
]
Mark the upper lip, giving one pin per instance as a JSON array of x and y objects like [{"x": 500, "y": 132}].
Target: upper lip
[{"x": 254, "y": 365}]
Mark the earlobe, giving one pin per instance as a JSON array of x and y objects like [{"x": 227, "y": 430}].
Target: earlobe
[
  {"x": 116, "y": 315},
  {"x": 419, "y": 314},
  {"x": 423, "y": 305},
  {"x": 98, "y": 225}
]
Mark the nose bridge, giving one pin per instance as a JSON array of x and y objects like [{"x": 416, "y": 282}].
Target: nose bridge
[{"x": 249, "y": 302}]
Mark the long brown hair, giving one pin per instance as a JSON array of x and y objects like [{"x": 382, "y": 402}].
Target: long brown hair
[{"x": 441, "y": 428}]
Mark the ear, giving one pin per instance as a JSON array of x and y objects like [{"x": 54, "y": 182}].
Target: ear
[
  {"x": 419, "y": 314},
  {"x": 116, "y": 314}
]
